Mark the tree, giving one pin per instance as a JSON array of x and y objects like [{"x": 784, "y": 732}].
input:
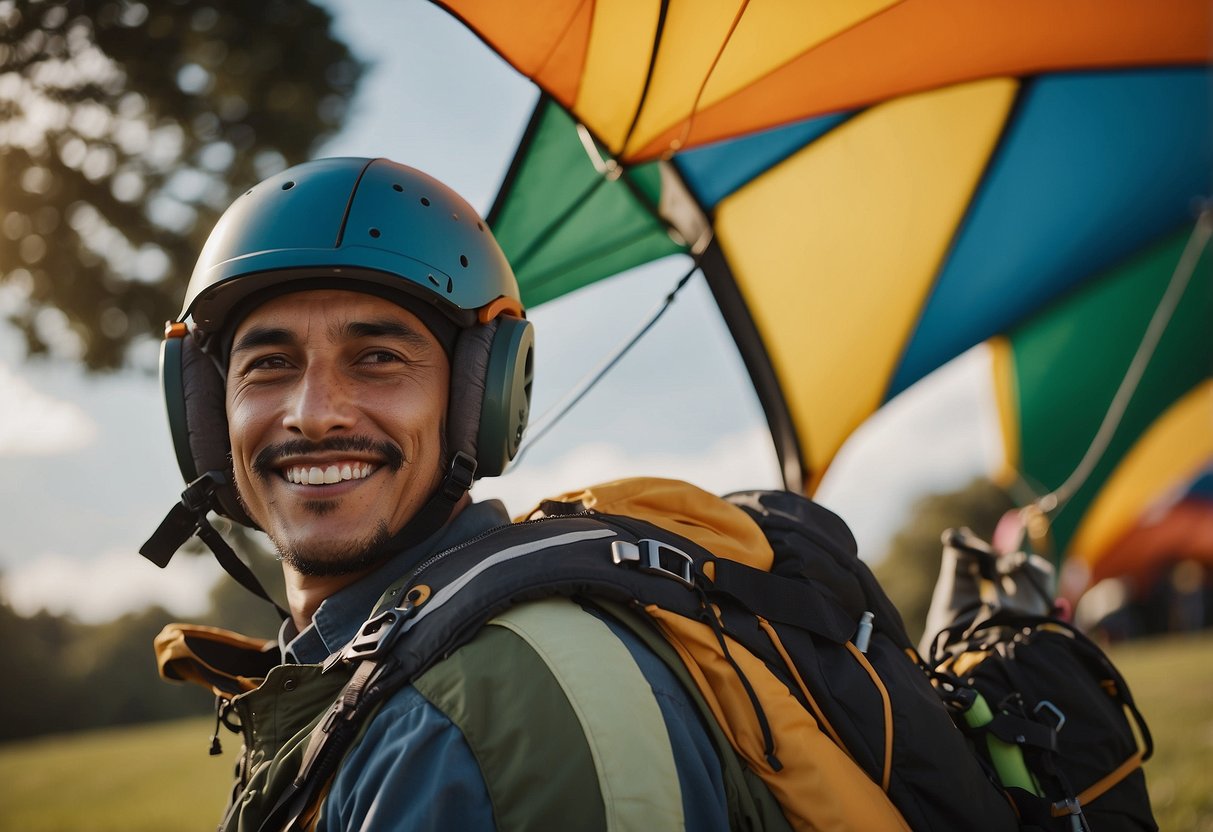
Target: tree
[
  {"x": 125, "y": 129},
  {"x": 909, "y": 571},
  {"x": 65, "y": 676}
]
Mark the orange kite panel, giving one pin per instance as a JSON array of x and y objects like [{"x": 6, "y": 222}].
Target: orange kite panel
[
  {"x": 923, "y": 44},
  {"x": 1184, "y": 532},
  {"x": 547, "y": 42}
]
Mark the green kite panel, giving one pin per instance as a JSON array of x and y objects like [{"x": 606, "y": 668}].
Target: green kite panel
[{"x": 1070, "y": 360}]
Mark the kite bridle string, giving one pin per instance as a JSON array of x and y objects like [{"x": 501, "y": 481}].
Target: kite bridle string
[
  {"x": 558, "y": 411},
  {"x": 1056, "y": 500}
]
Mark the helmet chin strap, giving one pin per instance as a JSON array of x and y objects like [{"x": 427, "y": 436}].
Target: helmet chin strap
[
  {"x": 438, "y": 508},
  {"x": 189, "y": 517}
]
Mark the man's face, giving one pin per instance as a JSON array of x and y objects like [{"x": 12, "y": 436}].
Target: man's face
[{"x": 335, "y": 404}]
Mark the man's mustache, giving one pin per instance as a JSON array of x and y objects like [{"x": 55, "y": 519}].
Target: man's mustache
[{"x": 265, "y": 463}]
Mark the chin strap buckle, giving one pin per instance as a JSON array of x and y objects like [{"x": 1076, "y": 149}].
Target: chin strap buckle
[
  {"x": 459, "y": 477},
  {"x": 188, "y": 518},
  {"x": 182, "y": 520}
]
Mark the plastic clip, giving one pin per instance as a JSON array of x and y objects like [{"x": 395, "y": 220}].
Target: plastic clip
[
  {"x": 459, "y": 477},
  {"x": 1058, "y": 716},
  {"x": 655, "y": 557},
  {"x": 375, "y": 636}
]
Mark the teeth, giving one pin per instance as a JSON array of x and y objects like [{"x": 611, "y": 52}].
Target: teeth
[{"x": 315, "y": 475}]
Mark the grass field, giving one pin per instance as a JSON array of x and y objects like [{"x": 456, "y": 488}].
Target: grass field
[{"x": 159, "y": 778}]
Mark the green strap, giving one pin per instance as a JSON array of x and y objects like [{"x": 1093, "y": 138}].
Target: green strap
[
  {"x": 751, "y": 804},
  {"x": 635, "y": 766},
  {"x": 561, "y": 721}
]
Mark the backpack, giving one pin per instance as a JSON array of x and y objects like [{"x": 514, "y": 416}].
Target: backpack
[
  {"x": 791, "y": 646},
  {"x": 1045, "y": 707}
]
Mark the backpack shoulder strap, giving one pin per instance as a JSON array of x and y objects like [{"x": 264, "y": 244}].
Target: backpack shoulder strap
[
  {"x": 751, "y": 804},
  {"x": 448, "y": 598}
]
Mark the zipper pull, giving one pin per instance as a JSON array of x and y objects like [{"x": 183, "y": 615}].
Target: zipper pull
[
  {"x": 216, "y": 746},
  {"x": 864, "y": 634}
]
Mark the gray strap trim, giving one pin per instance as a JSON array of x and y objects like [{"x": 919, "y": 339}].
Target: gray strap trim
[{"x": 505, "y": 555}]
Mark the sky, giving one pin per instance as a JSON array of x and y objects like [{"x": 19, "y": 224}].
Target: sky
[{"x": 88, "y": 460}]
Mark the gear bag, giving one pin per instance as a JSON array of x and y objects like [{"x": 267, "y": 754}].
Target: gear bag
[
  {"x": 1045, "y": 707},
  {"x": 792, "y": 648}
]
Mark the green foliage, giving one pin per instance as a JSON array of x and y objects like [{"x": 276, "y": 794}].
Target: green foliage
[
  {"x": 235, "y": 608},
  {"x": 95, "y": 675},
  {"x": 78, "y": 676},
  {"x": 910, "y": 568},
  {"x": 125, "y": 128}
]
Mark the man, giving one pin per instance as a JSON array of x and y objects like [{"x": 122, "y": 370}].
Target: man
[{"x": 351, "y": 349}]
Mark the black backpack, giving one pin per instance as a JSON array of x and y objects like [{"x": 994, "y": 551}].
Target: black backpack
[
  {"x": 1044, "y": 706},
  {"x": 817, "y": 625}
]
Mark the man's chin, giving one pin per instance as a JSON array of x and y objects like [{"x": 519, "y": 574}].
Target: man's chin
[{"x": 326, "y": 559}]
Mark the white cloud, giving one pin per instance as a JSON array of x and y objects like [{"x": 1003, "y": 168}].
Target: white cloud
[
  {"x": 112, "y": 583},
  {"x": 35, "y": 424},
  {"x": 744, "y": 460},
  {"x": 934, "y": 438}
]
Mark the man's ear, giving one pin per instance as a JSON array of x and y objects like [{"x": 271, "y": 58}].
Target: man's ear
[
  {"x": 195, "y": 397},
  {"x": 491, "y": 375}
]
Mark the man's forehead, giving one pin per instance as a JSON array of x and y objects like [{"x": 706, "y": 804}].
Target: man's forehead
[
  {"x": 339, "y": 305},
  {"x": 339, "y": 314}
]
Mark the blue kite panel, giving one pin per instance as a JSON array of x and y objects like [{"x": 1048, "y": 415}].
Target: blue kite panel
[
  {"x": 1202, "y": 487},
  {"x": 716, "y": 170},
  {"x": 1092, "y": 166}
]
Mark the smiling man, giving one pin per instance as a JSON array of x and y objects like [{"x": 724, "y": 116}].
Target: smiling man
[
  {"x": 335, "y": 404},
  {"x": 353, "y": 353}
]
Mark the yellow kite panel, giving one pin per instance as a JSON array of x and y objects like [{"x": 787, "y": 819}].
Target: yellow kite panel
[
  {"x": 1169, "y": 454},
  {"x": 854, "y": 228},
  {"x": 616, "y": 66},
  {"x": 711, "y": 49},
  {"x": 1006, "y": 399}
]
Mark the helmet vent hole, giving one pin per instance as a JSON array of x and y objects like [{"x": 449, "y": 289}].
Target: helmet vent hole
[
  {"x": 375, "y": 232},
  {"x": 425, "y": 202},
  {"x": 463, "y": 260},
  {"x": 450, "y": 285},
  {"x": 433, "y": 280},
  {"x": 286, "y": 186},
  {"x": 480, "y": 225},
  {"x": 398, "y": 188}
]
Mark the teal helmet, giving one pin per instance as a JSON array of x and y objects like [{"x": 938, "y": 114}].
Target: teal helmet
[{"x": 367, "y": 225}]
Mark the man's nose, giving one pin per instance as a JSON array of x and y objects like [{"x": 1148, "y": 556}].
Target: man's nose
[{"x": 320, "y": 404}]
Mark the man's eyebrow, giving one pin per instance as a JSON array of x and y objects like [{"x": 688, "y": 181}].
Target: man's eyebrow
[
  {"x": 264, "y": 336},
  {"x": 387, "y": 328}
]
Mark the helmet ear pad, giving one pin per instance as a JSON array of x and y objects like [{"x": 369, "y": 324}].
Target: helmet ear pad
[
  {"x": 492, "y": 371},
  {"x": 195, "y": 396}
]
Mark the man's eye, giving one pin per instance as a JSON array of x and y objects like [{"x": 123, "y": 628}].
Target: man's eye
[
  {"x": 268, "y": 362},
  {"x": 380, "y": 357}
]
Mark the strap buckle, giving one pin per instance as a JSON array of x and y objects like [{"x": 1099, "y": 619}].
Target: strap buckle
[
  {"x": 655, "y": 557},
  {"x": 1059, "y": 719},
  {"x": 199, "y": 495},
  {"x": 459, "y": 476},
  {"x": 375, "y": 636}
]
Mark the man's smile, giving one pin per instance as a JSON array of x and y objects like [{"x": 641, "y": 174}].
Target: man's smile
[
  {"x": 327, "y": 474},
  {"x": 340, "y": 460}
]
